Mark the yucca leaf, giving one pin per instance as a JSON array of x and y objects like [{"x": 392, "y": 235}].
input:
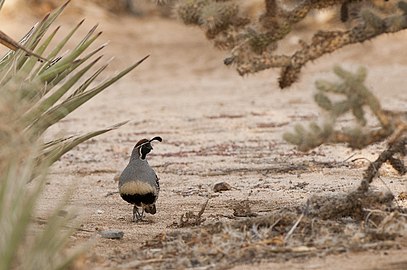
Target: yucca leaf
[
  {"x": 63, "y": 42},
  {"x": 22, "y": 203},
  {"x": 85, "y": 85},
  {"x": 58, "y": 112},
  {"x": 54, "y": 79},
  {"x": 29, "y": 43},
  {"x": 82, "y": 46},
  {"x": 37, "y": 91},
  {"x": 41, "y": 51},
  {"x": 6, "y": 59},
  {"x": 56, "y": 141},
  {"x": 39, "y": 32},
  {"x": 50, "y": 238},
  {"x": 14, "y": 45},
  {"x": 47, "y": 103},
  {"x": 29, "y": 65},
  {"x": 59, "y": 47},
  {"x": 56, "y": 150}
]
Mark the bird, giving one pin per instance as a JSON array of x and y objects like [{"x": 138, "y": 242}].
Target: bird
[{"x": 138, "y": 183}]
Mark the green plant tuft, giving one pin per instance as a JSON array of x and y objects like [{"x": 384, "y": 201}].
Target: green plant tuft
[{"x": 36, "y": 92}]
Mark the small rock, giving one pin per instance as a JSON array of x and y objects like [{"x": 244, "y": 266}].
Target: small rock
[
  {"x": 222, "y": 186},
  {"x": 62, "y": 213},
  {"x": 99, "y": 212},
  {"x": 112, "y": 234}
]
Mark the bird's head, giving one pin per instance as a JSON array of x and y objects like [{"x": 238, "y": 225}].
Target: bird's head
[{"x": 143, "y": 147}]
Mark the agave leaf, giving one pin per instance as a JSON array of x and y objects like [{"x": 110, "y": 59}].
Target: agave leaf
[
  {"x": 58, "y": 112},
  {"x": 47, "y": 103},
  {"x": 55, "y": 150}
]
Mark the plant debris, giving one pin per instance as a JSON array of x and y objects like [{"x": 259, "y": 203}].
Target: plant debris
[
  {"x": 190, "y": 219},
  {"x": 242, "y": 209}
]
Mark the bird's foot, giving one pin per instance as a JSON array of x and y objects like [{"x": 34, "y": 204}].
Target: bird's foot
[{"x": 137, "y": 216}]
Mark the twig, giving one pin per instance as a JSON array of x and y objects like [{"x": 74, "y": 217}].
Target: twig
[
  {"x": 203, "y": 209},
  {"x": 373, "y": 169},
  {"x": 287, "y": 237},
  {"x": 382, "y": 212},
  {"x": 13, "y": 45},
  {"x": 351, "y": 156},
  {"x": 111, "y": 193}
]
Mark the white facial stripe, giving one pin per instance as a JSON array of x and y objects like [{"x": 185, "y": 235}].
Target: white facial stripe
[{"x": 136, "y": 187}]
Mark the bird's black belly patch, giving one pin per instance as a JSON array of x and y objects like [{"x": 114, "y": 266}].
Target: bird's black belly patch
[{"x": 138, "y": 199}]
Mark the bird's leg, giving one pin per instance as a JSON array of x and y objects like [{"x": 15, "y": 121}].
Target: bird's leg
[{"x": 137, "y": 216}]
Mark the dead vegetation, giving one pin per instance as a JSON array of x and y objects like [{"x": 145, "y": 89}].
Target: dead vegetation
[{"x": 190, "y": 219}]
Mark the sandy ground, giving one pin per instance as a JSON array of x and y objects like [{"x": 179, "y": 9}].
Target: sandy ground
[{"x": 216, "y": 126}]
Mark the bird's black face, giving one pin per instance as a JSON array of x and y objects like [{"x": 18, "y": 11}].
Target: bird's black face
[
  {"x": 145, "y": 147},
  {"x": 144, "y": 150}
]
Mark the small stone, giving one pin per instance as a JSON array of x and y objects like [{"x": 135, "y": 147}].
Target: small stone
[
  {"x": 222, "y": 186},
  {"x": 99, "y": 212},
  {"x": 112, "y": 234},
  {"x": 62, "y": 213}
]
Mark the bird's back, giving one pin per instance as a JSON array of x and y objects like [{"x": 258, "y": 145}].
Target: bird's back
[{"x": 138, "y": 183}]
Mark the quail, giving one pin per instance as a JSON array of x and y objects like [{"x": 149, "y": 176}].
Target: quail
[{"x": 138, "y": 183}]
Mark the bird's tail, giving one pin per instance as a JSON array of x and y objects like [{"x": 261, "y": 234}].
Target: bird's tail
[{"x": 150, "y": 209}]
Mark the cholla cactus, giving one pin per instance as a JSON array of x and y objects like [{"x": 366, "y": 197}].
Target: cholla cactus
[
  {"x": 356, "y": 99},
  {"x": 253, "y": 41}
]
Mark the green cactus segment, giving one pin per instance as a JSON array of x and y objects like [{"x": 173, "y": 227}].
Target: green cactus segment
[{"x": 356, "y": 99}]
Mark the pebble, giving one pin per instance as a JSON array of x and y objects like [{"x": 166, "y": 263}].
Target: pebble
[
  {"x": 112, "y": 234},
  {"x": 222, "y": 186}
]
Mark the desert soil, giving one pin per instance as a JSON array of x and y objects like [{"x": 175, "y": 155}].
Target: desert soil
[{"x": 216, "y": 127}]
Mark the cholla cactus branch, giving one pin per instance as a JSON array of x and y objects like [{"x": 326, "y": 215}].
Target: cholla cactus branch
[
  {"x": 357, "y": 97},
  {"x": 252, "y": 42}
]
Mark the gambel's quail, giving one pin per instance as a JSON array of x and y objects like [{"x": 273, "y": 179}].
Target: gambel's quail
[{"x": 138, "y": 183}]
